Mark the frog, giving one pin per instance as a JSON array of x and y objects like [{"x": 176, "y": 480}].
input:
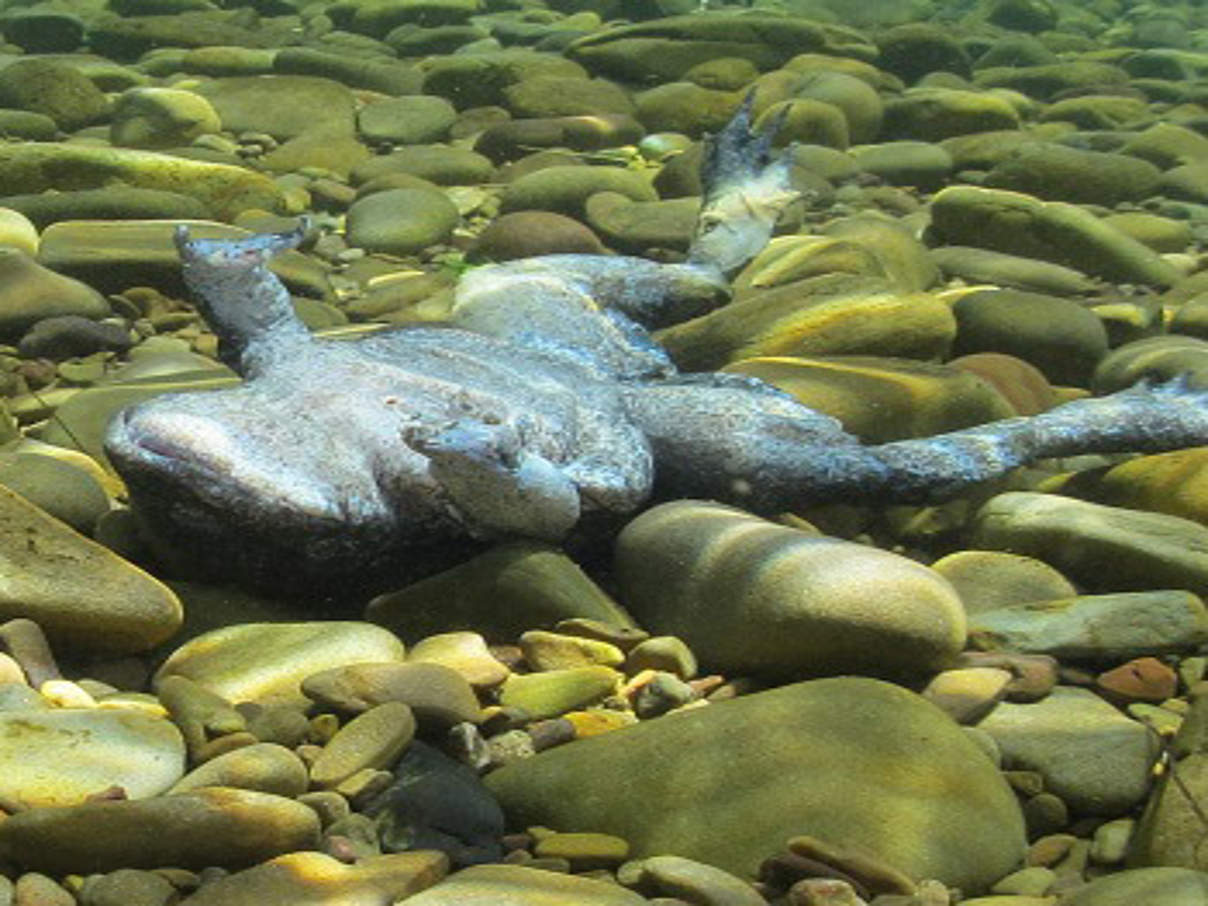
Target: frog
[{"x": 540, "y": 409}]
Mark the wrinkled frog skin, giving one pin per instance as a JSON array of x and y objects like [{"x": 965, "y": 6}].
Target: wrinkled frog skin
[{"x": 543, "y": 404}]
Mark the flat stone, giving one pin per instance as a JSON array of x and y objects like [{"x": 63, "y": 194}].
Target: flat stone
[
  {"x": 225, "y": 189},
  {"x": 501, "y": 593},
  {"x": 264, "y": 767},
  {"x": 267, "y": 662},
  {"x": 988, "y": 580},
  {"x": 1099, "y": 627},
  {"x": 864, "y": 783},
  {"x": 1059, "y": 232},
  {"x": 61, "y": 756},
  {"x": 697, "y": 882},
  {"x": 30, "y": 292},
  {"x": 514, "y": 885},
  {"x": 435, "y": 693},
  {"x": 465, "y": 652},
  {"x": 84, "y": 597},
  {"x": 545, "y": 650},
  {"x": 583, "y": 850},
  {"x": 215, "y": 826},
  {"x": 553, "y": 692},
  {"x": 1092, "y": 756},
  {"x": 315, "y": 879},
  {"x": 374, "y": 740},
  {"x": 780, "y": 322},
  {"x": 1153, "y": 886},
  {"x": 703, "y": 572},
  {"x": 1102, "y": 547}
]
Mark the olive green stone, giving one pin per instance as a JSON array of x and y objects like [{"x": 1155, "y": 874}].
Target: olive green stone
[
  {"x": 780, "y": 322},
  {"x": 100, "y": 604},
  {"x": 515, "y": 885},
  {"x": 1102, "y": 547},
  {"x": 216, "y": 826},
  {"x": 584, "y": 851},
  {"x": 750, "y": 596},
  {"x": 861, "y": 781},
  {"x": 554, "y": 692},
  {"x": 374, "y": 739},
  {"x": 266, "y": 662},
  {"x": 1020, "y": 224},
  {"x": 553, "y": 651},
  {"x": 223, "y": 188},
  {"x": 987, "y": 580},
  {"x": 317, "y": 879},
  {"x": 881, "y": 400},
  {"x": 500, "y": 594},
  {"x": 264, "y": 767}
]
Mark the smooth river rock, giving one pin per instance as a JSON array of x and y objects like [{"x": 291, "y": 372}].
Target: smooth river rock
[
  {"x": 61, "y": 756},
  {"x": 1091, "y": 755},
  {"x": 215, "y": 826},
  {"x": 84, "y": 596},
  {"x": 750, "y": 596},
  {"x": 1105, "y": 548},
  {"x": 854, "y": 761},
  {"x": 266, "y": 662}
]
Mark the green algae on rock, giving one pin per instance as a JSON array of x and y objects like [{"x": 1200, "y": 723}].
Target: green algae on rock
[
  {"x": 224, "y": 189},
  {"x": 727, "y": 784},
  {"x": 80, "y": 593}
]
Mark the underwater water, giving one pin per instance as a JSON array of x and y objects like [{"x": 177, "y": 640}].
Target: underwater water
[{"x": 541, "y": 451}]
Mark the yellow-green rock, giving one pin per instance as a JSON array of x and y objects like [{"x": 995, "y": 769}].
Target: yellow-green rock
[
  {"x": 224, "y": 189},
  {"x": 316, "y": 879},
  {"x": 515, "y": 885},
  {"x": 266, "y": 662},
  {"x": 553, "y": 651},
  {"x": 554, "y": 692},
  {"x": 731, "y": 782},
  {"x": 787, "y": 322},
  {"x": 85, "y": 597},
  {"x": 880, "y": 400},
  {"x": 749, "y": 596}
]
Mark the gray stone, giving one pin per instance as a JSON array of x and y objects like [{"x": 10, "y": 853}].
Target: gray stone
[
  {"x": 401, "y": 221},
  {"x": 1151, "y": 886},
  {"x": 1090, "y": 755},
  {"x": 1098, "y": 627},
  {"x": 862, "y": 780},
  {"x": 1104, "y": 548}
]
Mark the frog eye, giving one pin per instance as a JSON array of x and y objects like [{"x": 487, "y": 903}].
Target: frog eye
[{"x": 708, "y": 223}]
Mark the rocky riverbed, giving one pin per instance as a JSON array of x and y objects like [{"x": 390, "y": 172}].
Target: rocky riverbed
[{"x": 998, "y": 701}]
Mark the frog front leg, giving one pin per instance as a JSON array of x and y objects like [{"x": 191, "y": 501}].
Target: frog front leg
[{"x": 498, "y": 487}]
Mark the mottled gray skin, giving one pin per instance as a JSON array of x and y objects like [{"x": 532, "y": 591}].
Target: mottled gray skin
[{"x": 544, "y": 405}]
